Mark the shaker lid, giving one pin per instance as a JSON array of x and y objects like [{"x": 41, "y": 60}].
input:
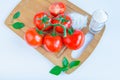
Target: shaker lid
[{"x": 100, "y": 16}]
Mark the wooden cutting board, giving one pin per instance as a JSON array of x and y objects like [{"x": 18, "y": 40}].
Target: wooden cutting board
[{"x": 29, "y": 8}]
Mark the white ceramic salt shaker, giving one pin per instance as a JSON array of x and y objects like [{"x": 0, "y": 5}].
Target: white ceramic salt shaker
[{"x": 98, "y": 20}]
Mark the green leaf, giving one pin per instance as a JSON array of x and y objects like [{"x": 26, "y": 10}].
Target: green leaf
[
  {"x": 18, "y": 25},
  {"x": 16, "y": 15},
  {"x": 65, "y": 69},
  {"x": 56, "y": 70},
  {"x": 74, "y": 63},
  {"x": 65, "y": 62},
  {"x": 66, "y": 66}
]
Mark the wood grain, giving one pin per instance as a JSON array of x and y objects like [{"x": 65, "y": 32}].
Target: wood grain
[{"x": 29, "y": 8}]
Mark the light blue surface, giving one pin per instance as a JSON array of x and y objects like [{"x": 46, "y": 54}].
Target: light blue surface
[{"x": 18, "y": 61}]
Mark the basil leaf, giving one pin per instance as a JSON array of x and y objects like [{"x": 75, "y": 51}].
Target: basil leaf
[
  {"x": 18, "y": 25},
  {"x": 16, "y": 15},
  {"x": 65, "y": 62},
  {"x": 65, "y": 69},
  {"x": 56, "y": 70},
  {"x": 74, "y": 63}
]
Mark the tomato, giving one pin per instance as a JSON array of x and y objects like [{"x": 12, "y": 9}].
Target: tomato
[
  {"x": 57, "y": 8},
  {"x": 52, "y": 43},
  {"x": 75, "y": 40},
  {"x": 33, "y": 38},
  {"x": 63, "y": 20},
  {"x": 41, "y": 20}
]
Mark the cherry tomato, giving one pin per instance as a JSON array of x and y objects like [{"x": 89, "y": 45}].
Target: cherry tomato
[
  {"x": 63, "y": 20},
  {"x": 57, "y": 8},
  {"x": 33, "y": 38},
  {"x": 52, "y": 43},
  {"x": 75, "y": 40},
  {"x": 41, "y": 20}
]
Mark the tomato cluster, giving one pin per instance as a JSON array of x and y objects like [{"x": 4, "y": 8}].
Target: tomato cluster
[{"x": 55, "y": 31}]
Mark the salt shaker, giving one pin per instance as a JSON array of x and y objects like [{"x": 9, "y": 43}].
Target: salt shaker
[{"x": 98, "y": 20}]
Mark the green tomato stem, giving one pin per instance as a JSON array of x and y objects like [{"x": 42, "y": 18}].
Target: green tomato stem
[
  {"x": 62, "y": 27},
  {"x": 54, "y": 32},
  {"x": 45, "y": 27},
  {"x": 55, "y": 25}
]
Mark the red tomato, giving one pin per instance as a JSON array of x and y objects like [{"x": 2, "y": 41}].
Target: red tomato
[
  {"x": 63, "y": 20},
  {"x": 57, "y": 8},
  {"x": 74, "y": 41},
  {"x": 52, "y": 43},
  {"x": 33, "y": 38},
  {"x": 41, "y": 20}
]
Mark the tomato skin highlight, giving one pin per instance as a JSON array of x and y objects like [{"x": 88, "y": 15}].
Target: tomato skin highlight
[
  {"x": 33, "y": 38},
  {"x": 39, "y": 22},
  {"x": 59, "y": 20},
  {"x": 57, "y": 8},
  {"x": 74, "y": 41},
  {"x": 52, "y": 43}
]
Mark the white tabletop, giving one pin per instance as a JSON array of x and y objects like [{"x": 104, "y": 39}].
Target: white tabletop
[{"x": 18, "y": 61}]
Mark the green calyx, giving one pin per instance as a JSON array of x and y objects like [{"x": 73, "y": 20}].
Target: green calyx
[
  {"x": 44, "y": 19},
  {"x": 62, "y": 19},
  {"x": 39, "y": 31},
  {"x": 70, "y": 31},
  {"x": 65, "y": 66}
]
